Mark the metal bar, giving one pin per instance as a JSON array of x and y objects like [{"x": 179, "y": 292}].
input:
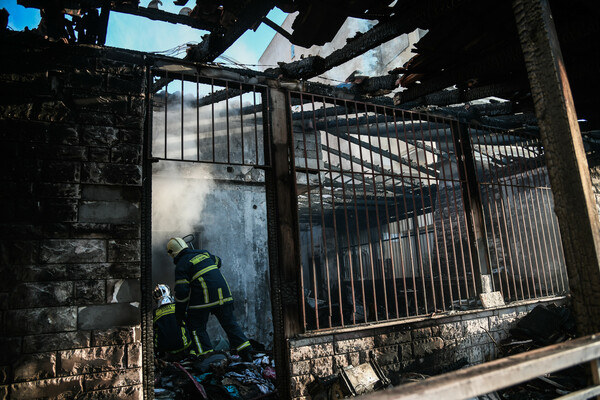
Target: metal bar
[
  {"x": 519, "y": 211},
  {"x": 441, "y": 217},
  {"x": 412, "y": 260},
  {"x": 182, "y": 114},
  {"x": 242, "y": 123},
  {"x": 312, "y": 245},
  {"x": 379, "y": 231},
  {"x": 368, "y": 225},
  {"x": 549, "y": 221},
  {"x": 212, "y": 110},
  {"x": 456, "y": 213},
  {"x": 497, "y": 189},
  {"x": 335, "y": 235},
  {"x": 197, "y": 119},
  {"x": 323, "y": 225},
  {"x": 416, "y": 226},
  {"x": 227, "y": 123},
  {"x": 255, "y": 127},
  {"x": 485, "y": 193},
  {"x": 166, "y": 106},
  {"x": 392, "y": 258}
]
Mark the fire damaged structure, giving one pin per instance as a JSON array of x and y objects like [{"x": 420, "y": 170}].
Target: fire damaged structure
[{"x": 401, "y": 220}]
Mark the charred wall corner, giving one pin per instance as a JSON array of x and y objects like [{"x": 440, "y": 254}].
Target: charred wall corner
[{"x": 71, "y": 129}]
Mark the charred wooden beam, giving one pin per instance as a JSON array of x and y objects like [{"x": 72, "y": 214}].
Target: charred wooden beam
[
  {"x": 160, "y": 15},
  {"x": 567, "y": 165},
  {"x": 217, "y": 42},
  {"x": 457, "y": 96},
  {"x": 407, "y": 21}
]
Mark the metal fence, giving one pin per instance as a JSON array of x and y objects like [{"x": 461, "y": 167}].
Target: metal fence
[
  {"x": 385, "y": 205},
  {"x": 385, "y": 217},
  {"x": 522, "y": 230},
  {"x": 207, "y": 120}
]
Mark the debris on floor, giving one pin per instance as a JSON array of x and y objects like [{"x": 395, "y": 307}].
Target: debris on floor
[
  {"x": 543, "y": 326},
  {"x": 216, "y": 376},
  {"x": 348, "y": 382}
]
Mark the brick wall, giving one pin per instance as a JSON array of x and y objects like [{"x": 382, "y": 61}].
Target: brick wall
[
  {"x": 430, "y": 347},
  {"x": 71, "y": 128}
]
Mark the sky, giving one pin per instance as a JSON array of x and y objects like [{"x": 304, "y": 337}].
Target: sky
[{"x": 138, "y": 33}]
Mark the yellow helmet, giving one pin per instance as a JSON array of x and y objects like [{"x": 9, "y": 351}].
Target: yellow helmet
[{"x": 175, "y": 245}]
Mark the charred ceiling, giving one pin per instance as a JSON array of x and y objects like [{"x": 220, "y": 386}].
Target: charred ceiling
[{"x": 471, "y": 49}]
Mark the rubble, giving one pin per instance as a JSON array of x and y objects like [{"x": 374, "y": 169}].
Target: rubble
[
  {"x": 543, "y": 326},
  {"x": 219, "y": 375}
]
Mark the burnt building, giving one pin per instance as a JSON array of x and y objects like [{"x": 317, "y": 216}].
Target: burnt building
[{"x": 397, "y": 218}]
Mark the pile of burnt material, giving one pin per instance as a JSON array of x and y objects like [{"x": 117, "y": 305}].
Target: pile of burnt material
[
  {"x": 543, "y": 326},
  {"x": 216, "y": 376}
]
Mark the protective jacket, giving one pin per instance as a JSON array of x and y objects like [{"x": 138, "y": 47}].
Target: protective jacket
[
  {"x": 199, "y": 283},
  {"x": 168, "y": 335}
]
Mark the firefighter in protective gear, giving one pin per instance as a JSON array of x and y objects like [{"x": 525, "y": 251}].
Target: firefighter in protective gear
[
  {"x": 201, "y": 290},
  {"x": 169, "y": 336}
]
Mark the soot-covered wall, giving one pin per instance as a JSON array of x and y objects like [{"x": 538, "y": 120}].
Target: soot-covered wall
[{"x": 71, "y": 129}]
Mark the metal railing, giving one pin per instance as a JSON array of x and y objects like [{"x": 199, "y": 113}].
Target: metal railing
[
  {"x": 522, "y": 230},
  {"x": 385, "y": 214},
  {"x": 208, "y": 120}
]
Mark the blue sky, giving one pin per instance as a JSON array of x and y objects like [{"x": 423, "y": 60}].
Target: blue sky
[{"x": 136, "y": 33}]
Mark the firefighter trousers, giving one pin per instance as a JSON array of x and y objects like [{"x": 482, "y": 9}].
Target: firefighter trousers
[{"x": 198, "y": 318}]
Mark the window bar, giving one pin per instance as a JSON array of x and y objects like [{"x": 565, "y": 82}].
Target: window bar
[
  {"x": 514, "y": 183},
  {"x": 408, "y": 230},
  {"x": 457, "y": 200},
  {"x": 376, "y": 198},
  {"x": 441, "y": 208},
  {"x": 319, "y": 154},
  {"x": 485, "y": 183},
  {"x": 431, "y": 207},
  {"x": 242, "y": 123},
  {"x": 415, "y": 219},
  {"x": 496, "y": 187},
  {"x": 334, "y": 218},
  {"x": 524, "y": 172},
  {"x": 166, "y": 106},
  {"x": 309, "y": 205},
  {"x": 212, "y": 110},
  {"x": 368, "y": 223},
  {"x": 555, "y": 242},
  {"x": 182, "y": 114},
  {"x": 355, "y": 203},
  {"x": 227, "y": 120},
  {"x": 429, "y": 252},
  {"x": 537, "y": 226},
  {"x": 197, "y": 118},
  {"x": 257, "y": 159},
  {"x": 507, "y": 183},
  {"x": 389, "y": 222}
]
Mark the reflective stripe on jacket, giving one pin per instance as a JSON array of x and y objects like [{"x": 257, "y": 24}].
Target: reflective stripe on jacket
[
  {"x": 168, "y": 335},
  {"x": 198, "y": 281}
]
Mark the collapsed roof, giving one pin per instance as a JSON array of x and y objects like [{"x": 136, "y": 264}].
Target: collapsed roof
[{"x": 471, "y": 49}]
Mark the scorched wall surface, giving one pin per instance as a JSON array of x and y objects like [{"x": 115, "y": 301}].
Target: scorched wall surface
[{"x": 71, "y": 128}]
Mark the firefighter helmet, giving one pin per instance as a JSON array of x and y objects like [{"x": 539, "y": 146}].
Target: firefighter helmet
[
  {"x": 175, "y": 245},
  {"x": 162, "y": 295}
]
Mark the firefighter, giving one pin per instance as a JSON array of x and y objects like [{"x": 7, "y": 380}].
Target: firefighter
[
  {"x": 201, "y": 290},
  {"x": 169, "y": 337}
]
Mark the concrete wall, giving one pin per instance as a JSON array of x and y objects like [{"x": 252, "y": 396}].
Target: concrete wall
[
  {"x": 71, "y": 127},
  {"x": 429, "y": 347}
]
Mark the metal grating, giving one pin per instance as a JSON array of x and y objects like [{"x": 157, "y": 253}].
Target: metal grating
[{"x": 385, "y": 230}]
